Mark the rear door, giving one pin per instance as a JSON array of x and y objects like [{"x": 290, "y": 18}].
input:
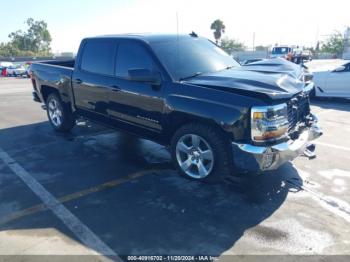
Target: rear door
[
  {"x": 138, "y": 104},
  {"x": 94, "y": 76},
  {"x": 338, "y": 82}
]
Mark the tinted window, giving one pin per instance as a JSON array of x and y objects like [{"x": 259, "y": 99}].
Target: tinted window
[
  {"x": 347, "y": 67},
  {"x": 281, "y": 50},
  {"x": 98, "y": 57},
  {"x": 132, "y": 56},
  {"x": 187, "y": 56}
]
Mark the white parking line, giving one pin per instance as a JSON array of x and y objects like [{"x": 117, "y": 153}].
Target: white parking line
[
  {"x": 331, "y": 145},
  {"x": 81, "y": 231},
  {"x": 13, "y": 90},
  {"x": 334, "y": 205}
]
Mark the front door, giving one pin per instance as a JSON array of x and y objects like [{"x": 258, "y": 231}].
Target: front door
[
  {"x": 338, "y": 82},
  {"x": 138, "y": 104}
]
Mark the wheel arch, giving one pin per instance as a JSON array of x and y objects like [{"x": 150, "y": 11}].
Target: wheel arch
[
  {"x": 47, "y": 90},
  {"x": 176, "y": 120}
]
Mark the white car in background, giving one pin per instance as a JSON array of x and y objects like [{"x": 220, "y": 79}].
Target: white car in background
[
  {"x": 334, "y": 82},
  {"x": 16, "y": 71},
  {"x": 6, "y": 64}
]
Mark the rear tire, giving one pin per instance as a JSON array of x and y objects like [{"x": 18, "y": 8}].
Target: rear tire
[
  {"x": 201, "y": 152},
  {"x": 59, "y": 114},
  {"x": 313, "y": 94}
]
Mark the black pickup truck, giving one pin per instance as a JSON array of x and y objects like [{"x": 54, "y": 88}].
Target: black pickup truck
[{"x": 182, "y": 91}]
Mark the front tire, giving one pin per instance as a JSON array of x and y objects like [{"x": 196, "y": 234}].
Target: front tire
[
  {"x": 59, "y": 114},
  {"x": 201, "y": 152},
  {"x": 313, "y": 94}
]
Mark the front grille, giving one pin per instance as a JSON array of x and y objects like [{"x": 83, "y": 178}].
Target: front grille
[{"x": 298, "y": 110}]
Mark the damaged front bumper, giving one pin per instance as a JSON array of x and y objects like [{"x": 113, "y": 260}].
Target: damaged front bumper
[{"x": 251, "y": 158}]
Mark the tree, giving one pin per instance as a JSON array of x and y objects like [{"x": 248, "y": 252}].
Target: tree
[
  {"x": 232, "y": 45},
  {"x": 39, "y": 35},
  {"x": 5, "y": 50},
  {"x": 35, "y": 41},
  {"x": 219, "y": 28},
  {"x": 334, "y": 44}
]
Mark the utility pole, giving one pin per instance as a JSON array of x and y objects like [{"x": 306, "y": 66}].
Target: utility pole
[
  {"x": 254, "y": 42},
  {"x": 346, "y": 52}
]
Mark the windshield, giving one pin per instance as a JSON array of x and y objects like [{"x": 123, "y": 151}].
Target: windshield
[
  {"x": 189, "y": 57},
  {"x": 281, "y": 50}
]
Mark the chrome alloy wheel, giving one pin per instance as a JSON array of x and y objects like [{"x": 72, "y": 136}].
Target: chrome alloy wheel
[
  {"x": 55, "y": 112},
  {"x": 194, "y": 156}
]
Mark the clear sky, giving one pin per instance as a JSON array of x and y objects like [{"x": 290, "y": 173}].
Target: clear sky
[{"x": 299, "y": 22}]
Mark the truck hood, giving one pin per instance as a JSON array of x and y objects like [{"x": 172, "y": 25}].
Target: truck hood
[
  {"x": 268, "y": 87},
  {"x": 276, "y": 65}
]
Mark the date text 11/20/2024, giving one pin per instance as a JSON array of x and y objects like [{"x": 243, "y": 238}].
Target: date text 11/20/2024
[{"x": 171, "y": 258}]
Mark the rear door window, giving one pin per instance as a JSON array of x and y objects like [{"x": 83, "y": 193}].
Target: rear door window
[{"x": 99, "y": 57}]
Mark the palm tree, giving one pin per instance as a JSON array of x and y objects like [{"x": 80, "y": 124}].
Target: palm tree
[{"x": 219, "y": 28}]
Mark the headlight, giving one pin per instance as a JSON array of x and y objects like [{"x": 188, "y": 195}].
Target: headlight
[
  {"x": 269, "y": 122},
  {"x": 308, "y": 77}
]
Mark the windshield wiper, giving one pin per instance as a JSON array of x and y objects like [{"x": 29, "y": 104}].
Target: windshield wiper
[
  {"x": 201, "y": 73},
  {"x": 191, "y": 76},
  {"x": 226, "y": 68}
]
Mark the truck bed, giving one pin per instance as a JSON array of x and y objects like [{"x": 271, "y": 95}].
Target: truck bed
[
  {"x": 55, "y": 74},
  {"x": 64, "y": 63}
]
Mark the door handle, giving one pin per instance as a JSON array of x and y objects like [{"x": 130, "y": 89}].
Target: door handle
[
  {"x": 115, "y": 88},
  {"x": 78, "y": 81}
]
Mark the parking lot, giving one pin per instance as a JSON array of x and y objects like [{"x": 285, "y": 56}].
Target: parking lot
[{"x": 97, "y": 191}]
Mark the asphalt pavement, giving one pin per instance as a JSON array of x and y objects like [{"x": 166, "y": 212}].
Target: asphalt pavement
[{"x": 100, "y": 192}]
